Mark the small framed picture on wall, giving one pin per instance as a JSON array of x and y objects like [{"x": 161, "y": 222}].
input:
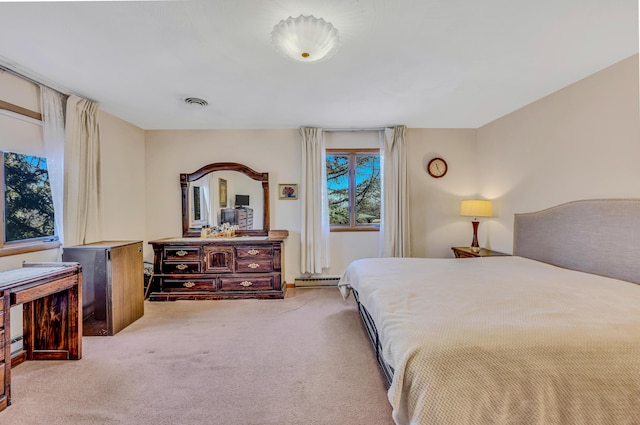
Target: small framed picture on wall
[
  {"x": 222, "y": 192},
  {"x": 287, "y": 191}
]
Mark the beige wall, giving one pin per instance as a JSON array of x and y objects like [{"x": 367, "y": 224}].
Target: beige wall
[
  {"x": 122, "y": 167},
  {"x": 578, "y": 143},
  {"x": 436, "y": 224},
  {"x": 170, "y": 153},
  {"x": 434, "y": 203}
]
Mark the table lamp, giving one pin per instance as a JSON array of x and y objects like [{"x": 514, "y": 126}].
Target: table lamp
[{"x": 475, "y": 208}]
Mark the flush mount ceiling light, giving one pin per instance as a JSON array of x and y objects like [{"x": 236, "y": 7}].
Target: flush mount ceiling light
[{"x": 305, "y": 38}]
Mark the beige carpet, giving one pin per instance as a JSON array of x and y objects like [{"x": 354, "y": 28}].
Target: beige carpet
[{"x": 302, "y": 360}]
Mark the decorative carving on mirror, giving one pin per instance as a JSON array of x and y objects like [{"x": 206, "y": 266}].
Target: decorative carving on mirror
[{"x": 202, "y": 202}]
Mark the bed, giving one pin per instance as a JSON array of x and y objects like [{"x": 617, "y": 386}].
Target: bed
[{"x": 550, "y": 335}]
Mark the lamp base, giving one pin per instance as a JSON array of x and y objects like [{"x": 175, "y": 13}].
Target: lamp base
[{"x": 475, "y": 246}]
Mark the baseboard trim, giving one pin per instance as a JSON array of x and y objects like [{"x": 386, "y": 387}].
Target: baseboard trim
[
  {"x": 18, "y": 358},
  {"x": 290, "y": 285}
]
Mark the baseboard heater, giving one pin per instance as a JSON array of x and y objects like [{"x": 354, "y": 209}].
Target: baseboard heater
[
  {"x": 317, "y": 281},
  {"x": 16, "y": 345}
]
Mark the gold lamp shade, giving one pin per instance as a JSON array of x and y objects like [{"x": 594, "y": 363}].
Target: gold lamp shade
[{"x": 475, "y": 208}]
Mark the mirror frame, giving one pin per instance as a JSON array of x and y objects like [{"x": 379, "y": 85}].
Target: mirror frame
[{"x": 185, "y": 179}]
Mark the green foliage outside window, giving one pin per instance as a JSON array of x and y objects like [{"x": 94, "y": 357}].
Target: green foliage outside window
[
  {"x": 353, "y": 182},
  {"x": 28, "y": 203}
]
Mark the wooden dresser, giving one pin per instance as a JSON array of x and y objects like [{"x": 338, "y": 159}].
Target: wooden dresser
[
  {"x": 194, "y": 268},
  {"x": 241, "y": 217}
]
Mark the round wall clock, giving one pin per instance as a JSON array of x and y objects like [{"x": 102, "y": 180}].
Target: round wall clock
[{"x": 437, "y": 167}]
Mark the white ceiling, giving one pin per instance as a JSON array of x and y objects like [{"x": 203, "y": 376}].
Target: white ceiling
[{"x": 422, "y": 63}]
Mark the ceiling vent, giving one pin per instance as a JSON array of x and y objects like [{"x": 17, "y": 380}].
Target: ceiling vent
[{"x": 196, "y": 101}]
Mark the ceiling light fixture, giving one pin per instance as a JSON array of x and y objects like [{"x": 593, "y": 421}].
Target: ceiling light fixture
[{"x": 305, "y": 38}]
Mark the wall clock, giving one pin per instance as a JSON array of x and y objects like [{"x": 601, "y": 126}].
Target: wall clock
[{"x": 437, "y": 167}]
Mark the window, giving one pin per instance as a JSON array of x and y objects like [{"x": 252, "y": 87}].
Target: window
[
  {"x": 27, "y": 201},
  {"x": 353, "y": 185},
  {"x": 198, "y": 205}
]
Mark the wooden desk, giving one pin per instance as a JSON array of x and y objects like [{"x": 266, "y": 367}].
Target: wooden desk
[
  {"x": 51, "y": 294},
  {"x": 5, "y": 350}
]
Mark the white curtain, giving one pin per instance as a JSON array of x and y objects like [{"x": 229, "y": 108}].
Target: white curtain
[
  {"x": 315, "y": 204},
  {"x": 395, "y": 203},
  {"x": 82, "y": 218},
  {"x": 52, "y": 107}
]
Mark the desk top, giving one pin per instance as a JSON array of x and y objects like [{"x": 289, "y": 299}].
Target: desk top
[{"x": 31, "y": 272}]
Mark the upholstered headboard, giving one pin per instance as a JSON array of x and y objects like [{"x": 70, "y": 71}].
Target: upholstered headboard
[{"x": 594, "y": 236}]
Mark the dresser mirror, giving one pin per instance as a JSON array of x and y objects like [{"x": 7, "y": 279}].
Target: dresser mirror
[{"x": 220, "y": 193}]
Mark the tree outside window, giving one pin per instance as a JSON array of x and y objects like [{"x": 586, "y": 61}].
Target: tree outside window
[
  {"x": 354, "y": 192},
  {"x": 28, "y": 203}
]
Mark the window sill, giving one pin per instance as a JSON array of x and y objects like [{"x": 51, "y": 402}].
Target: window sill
[
  {"x": 23, "y": 248},
  {"x": 355, "y": 229}
]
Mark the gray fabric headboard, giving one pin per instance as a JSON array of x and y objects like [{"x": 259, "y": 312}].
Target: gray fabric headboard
[{"x": 594, "y": 236}]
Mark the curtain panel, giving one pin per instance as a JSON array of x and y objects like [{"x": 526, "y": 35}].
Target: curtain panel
[
  {"x": 52, "y": 105},
  {"x": 314, "y": 235},
  {"x": 395, "y": 203},
  {"x": 82, "y": 218}
]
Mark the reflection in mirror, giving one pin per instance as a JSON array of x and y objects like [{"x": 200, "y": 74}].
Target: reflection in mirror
[
  {"x": 210, "y": 195},
  {"x": 198, "y": 206},
  {"x": 225, "y": 193}
]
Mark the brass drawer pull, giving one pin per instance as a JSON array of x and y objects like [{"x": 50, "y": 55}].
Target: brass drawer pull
[
  {"x": 253, "y": 265},
  {"x": 182, "y": 267},
  {"x": 254, "y": 252},
  {"x": 188, "y": 284},
  {"x": 181, "y": 253},
  {"x": 246, "y": 283}
]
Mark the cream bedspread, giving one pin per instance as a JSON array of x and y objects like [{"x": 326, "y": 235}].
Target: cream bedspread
[{"x": 503, "y": 340}]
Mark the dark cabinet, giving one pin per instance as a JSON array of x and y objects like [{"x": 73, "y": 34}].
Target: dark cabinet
[
  {"x": 241, "y": 217},
  {"x": 112, "y": 284}
]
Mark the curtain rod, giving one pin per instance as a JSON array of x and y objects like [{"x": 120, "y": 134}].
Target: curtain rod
[
  {"x": 335, "y": 130},
  {"x": 22, "y": 73}
]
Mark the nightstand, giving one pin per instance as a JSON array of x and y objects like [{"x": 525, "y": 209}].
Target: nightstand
[{"x": 465, "y": 252}]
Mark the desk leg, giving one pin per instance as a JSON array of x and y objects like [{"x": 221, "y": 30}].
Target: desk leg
[
  {"x": 5, "y": 352},
  {"x": 75, "y": 320},
  {"x": 53, "y": 326}
]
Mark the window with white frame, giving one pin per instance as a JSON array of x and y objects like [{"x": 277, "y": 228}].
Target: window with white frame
[{"x": 26, "y": 203}]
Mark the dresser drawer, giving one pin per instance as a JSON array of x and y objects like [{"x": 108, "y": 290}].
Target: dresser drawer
[
  {"x": 180, "y": 285},
  {"x": 179, "y": 253},
  {"x": 246, "y": 283},
  {"x": 254, "y": 265},
  {"x": 254, "y": 251},
  {"x": 178, "y": 267},
  {"x": 2, "y": 338}
]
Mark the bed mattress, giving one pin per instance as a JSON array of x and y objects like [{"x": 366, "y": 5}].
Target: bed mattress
[{"x": 503, "y": 340}]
